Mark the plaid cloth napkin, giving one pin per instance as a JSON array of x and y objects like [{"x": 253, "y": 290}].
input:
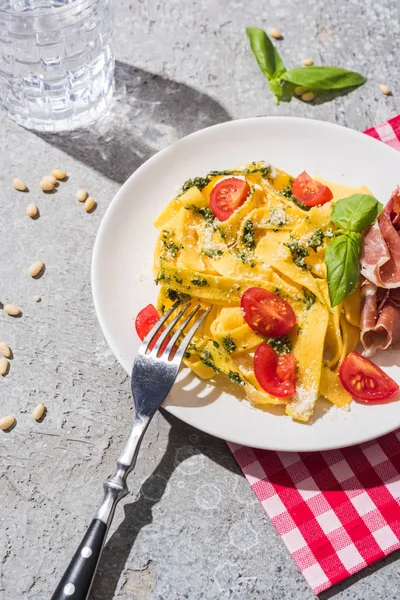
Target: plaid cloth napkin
[{"x": 337, "y": 511}]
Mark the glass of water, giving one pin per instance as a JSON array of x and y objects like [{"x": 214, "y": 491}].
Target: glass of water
[{"x": 56, "y": 61}]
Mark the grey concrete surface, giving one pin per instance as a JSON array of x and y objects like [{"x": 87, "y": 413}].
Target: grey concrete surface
[{"x": 191, "y": 527}]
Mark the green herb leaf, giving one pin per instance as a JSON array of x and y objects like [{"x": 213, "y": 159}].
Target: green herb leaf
[
  {"x": 323, "y": 78},
  {"x": 355, "y": 213},
  {"x": 265, "y": 52},
  {"x": 342, "y": 259}
]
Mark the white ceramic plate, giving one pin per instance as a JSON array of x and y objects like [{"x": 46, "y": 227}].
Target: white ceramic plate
[{"x": 122, "y": 267}]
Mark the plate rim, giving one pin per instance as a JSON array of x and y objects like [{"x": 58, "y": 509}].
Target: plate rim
[{"x": 113, "y": 207}]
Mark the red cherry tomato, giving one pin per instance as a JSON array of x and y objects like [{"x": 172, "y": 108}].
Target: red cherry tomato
[
  {"x": 275, "y": 374},
  {"x": 364, "y": 380},
  {"x": 266, "y": 313},
  {"x": 227, "y": 195},
  {"x": 145, "y": 321},
  {"x": 310, "y": 192}
]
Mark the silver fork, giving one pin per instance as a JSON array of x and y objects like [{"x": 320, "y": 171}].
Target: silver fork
[{"x": 152, "y": 380}]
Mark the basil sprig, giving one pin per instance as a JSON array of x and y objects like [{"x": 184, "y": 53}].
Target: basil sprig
[
  {"x": 282, "y": 81},
  {"x": 351, "y": 215}
]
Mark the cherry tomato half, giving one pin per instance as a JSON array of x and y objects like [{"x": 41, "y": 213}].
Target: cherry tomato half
[
  {"x": 276, "y": 374},
  {"x": 309, "y": 191},
  {"x": 227, "y": 195},
  {"x": 266, "y": 313},
  {"x": 145, "y": 321},
  {"x": 365, "y": 380}
]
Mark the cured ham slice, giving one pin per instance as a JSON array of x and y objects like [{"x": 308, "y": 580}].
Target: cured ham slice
[
  {"x": 380, "y": 318},
  {"x": 380, "y": 256}
]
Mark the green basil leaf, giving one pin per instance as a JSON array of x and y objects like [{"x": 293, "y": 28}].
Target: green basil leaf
[
  {"x": 342, "y": 259},
  {"x": 356, "y": 212},
  {"x": 265, "y": 52},
  {"x": 323, "y": 78}
]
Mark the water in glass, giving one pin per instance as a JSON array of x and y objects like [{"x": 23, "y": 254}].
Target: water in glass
[{"x": 56, "y": 61}]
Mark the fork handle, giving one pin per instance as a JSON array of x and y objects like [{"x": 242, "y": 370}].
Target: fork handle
[{"x": 77, "y": 580}]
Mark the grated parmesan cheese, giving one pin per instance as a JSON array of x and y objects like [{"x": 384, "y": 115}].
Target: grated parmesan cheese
[{"x": 303, "y": 402}]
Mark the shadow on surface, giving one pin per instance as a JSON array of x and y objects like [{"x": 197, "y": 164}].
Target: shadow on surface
[
  {"x": 138, "y": 514},
  {"x": 147, "y": 114},
  {"x": 344, "y": 585}
]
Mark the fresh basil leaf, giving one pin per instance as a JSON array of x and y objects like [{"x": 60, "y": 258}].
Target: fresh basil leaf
[
  {"x": 265, "y": 52},
  {"x": 342, "y": 259},
  {"x": 356, "y": 212},
  {"x": 323, "y": 78}
]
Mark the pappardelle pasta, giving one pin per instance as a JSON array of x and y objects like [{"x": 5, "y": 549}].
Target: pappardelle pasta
[{"x": 240, "y": 242}]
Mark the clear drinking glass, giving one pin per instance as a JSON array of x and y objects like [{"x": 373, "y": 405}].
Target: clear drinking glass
[{"x": 56, "y": 61}]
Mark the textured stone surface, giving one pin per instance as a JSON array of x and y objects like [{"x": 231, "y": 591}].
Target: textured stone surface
[{"x": 191, "y": 527}]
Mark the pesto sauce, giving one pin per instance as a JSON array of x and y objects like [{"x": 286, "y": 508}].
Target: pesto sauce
[
  {"x": 281, "y": 345},
  {"x": 298, "y": 253},
  {"x": 199, "y": 282},
  {"x": 229, "y": 344},
  {"x": 212, "y": 252},
  {"x": 207, "y": 359},
  {"x": 308, "y": 298},
  {"x": 248, "y": 237},
  {"x": 235, "y": 377},
  {"x": 202, "y": 182}
]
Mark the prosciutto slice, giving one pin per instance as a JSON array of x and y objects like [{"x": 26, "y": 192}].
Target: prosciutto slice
[
  {"x": 380, "y": 318},
  {"x": 380, "y": 256}
]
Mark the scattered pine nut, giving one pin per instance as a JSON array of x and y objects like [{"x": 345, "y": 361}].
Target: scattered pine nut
[
  {"x": 59, "y": 173},
  {"x": 36, "y": 268},
  {"x": 276, "y": 34},
  {"x": 300, "y": 90},
  {"x": 5, "y": 350},
  {"x": 307, "y": 62},
  {"x": 38, "y": 412},
  {"x": 19, "y": 185},
  {"x": 81, "y": 195},
  {"x": 37, "y": 298},
  {"x": 89, "y": 205},
  {"x": 6, "y": 422},
  {"x": 32, "y": 210},
  {"x": 46, "y": 186},
  {"x": 50, "y": 178},
  {"x": 12, "y": 310},
  {"x": 4, "y": 364},
  {"x": 385, "y": 89},
  {"x": 307, "y": 97}
]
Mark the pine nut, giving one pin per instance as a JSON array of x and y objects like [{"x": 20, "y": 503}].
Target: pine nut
[
  {"x": 59, "y": 173},
  {"x": 385, "y": 89},
  {"x": 300, "y": 90},
  {"x": 36, "y": 268},
  {"x": 81, "y": 195},
  {"x": 4, "y": 364},
  {"x": 50, "y": 178},
  {"x": 5, "y": 350},
  {"x": 308, "y": 97},
  {"x": 89, "y": 205},
  {"x": 307, "y": 62},
  {"x": 6, "y": 422},
  {"x": 37, "y": 298},
  {"x": 19, "y": 185},
  {"x": 32, "y": 210},
  {"x": 12, "y": 310},
  {"x": 46, "y": 186},
  {"x": 276, "y": 34},
  {"x": 38, "y": 412}
]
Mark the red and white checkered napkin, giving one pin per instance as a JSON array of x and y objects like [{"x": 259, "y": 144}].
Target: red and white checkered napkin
[{"x": 337, "y": 511}]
